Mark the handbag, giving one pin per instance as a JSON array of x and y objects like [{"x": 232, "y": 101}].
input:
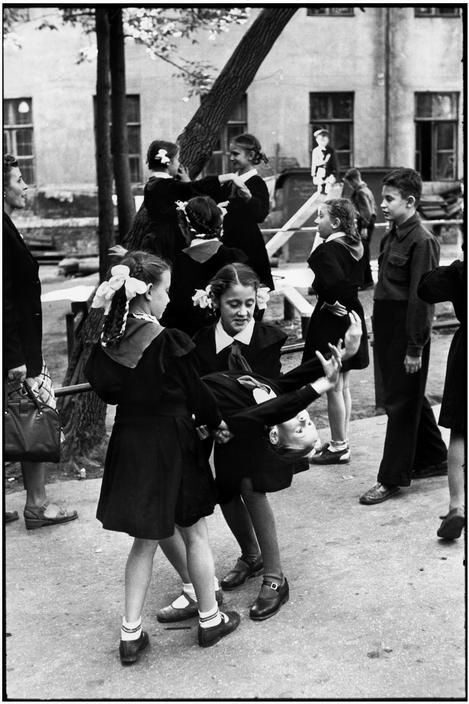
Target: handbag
[{"x": 32, "y": 429}]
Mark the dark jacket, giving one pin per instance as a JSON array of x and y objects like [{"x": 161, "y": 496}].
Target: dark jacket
[{"x": 22, "y": 326}]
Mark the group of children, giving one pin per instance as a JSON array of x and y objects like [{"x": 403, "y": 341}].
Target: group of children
[{"x": 178, "y": 399}]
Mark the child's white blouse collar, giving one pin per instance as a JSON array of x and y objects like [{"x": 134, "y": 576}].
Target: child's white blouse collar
[
  {"x": 334, "y": 236},
  {"x": 222, "y": 339},
  {"x": 249, "y": 174}
]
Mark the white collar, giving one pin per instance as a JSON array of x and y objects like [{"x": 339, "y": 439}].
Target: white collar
[
  {"x": 197, "y": 240},
  {"x": 223, "y": 340},
  {"x": 335, "y": 236},
  {"x": 161, "y": 174},
  {"x": 249, "y": 174}
]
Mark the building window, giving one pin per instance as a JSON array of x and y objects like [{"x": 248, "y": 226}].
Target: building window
[
  {"x": 436, "y": 130},
  {"x": 334, "y": 111},
  {"x": 237, "y": 123},
  {"x": 18, "y": 135},
  {"x": 133, "y": 136},
  {"x": 440, "y": 11},
  {"x": 345, "y": 11}
]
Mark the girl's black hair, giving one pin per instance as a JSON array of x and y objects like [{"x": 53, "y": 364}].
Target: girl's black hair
[
  {"x": 202, "y": 217},
  {"x": 153, "y": 160},
  {"x": 144, "y": 266},
  {"x": 343, "y": 210},
  {"x": 9, "y": 163},
  {"x": 249, "y": 142},
  {"x": 231, "y": 275}
]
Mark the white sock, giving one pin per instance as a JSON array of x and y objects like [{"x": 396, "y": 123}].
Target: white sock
[
  {"x": 338, "y": 445},
  {"x": 131, "y": 630},
  {"x": 208, "y": 619},
  {"x": 182, "y": 600}
]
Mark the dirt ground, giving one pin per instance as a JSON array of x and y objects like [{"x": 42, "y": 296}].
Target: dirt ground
[{"x": 362, "y": 381}]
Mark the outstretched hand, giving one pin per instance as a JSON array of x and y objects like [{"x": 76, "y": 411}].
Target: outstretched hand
[
  {"x": 222, "y": 434},
  {"x": 331, "y": 367},
  {"x": 352, "y": 336}
]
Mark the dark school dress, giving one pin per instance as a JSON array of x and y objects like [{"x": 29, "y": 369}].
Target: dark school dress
[
  {"x": 262, "y": 354},
  {"x": 240, "y": 224},
  {"x": 249, "y": 453},
  {"x": 193, "y": 268},
  {"x": 448, "y": 283},
  {"x": 164, "y": 236},
  {"x": 156, "y": 473},
  {"x": 337, "y": 276}
]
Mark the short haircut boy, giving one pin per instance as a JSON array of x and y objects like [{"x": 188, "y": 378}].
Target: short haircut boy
[{"x": 407, "y": 181}]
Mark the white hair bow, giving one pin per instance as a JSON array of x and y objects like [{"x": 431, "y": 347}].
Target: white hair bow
[
  {"x": 120, "y": 276},
  {"x": 162, "y": 155},
  {"x": 262, "y": 297},
  {"x": 202, "y": 297}
]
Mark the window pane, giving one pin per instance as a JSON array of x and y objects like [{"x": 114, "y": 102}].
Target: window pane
[
  {"x": 436, "y": 105},
  {"x": 133, "y": 133},
  {"x": 27, "y": 170},
  {"x": 134, "y": 164},
  {"x": 445, "y": 133},
  {"x": 318, "y": 107},
  {"x": 344, "y": 160},
  {"x": 133, "y": 108},
  {"x": 445, "y": 166},
  {"x": 24, "y": 142},
  {"x": 215, "y": 164},
  {"x": 233, "y": 131},
  {"x": 423, "y": 11},
  {"x": 240, "y": 113},
  {"x": 331, "y": 11},
  {"x": 451, "y": 11},
  {"x": 342, "y": 105},
  {"x": 340, "y": 137}
]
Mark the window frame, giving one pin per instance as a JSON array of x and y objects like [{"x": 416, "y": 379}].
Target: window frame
[
  {"x": 435, "y": 11},
  {"x": 329, "y": 11},
  {"x": 26, "y": 162},
  {"x": 435, "y": 122},
  {"x": 133, "y": 157},
  {"x": 331, "y": 121}
]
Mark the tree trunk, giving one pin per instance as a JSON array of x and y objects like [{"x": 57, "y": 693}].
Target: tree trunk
[
  {"x": 119, "y": 139},
  {"x": 199, "y": 137},
  {"x": 84, "y": 415},
  {"x": 103, "y": 141}
]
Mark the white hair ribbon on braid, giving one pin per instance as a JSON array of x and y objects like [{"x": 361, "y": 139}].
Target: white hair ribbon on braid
[
  {"x": 120, "y": 276},
  {"x": 203, "y": 297},
  {"x": 162, "y": 155}
]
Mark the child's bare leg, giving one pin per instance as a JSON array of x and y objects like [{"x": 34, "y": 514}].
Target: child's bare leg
[
  {"x": 263, "y": 521},
  {"x": 336, "y": 410},
  {"x": 456, "y": 470},
  {"x": 138, "y": 572},
  {"x": 175, "y": 551},
  {"x": 200, "y": 564},
  {"x": 347, "y": 401}
]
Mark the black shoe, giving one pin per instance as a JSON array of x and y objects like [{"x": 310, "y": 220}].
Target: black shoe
[
  {"x": 432, "y": 470},
  {"x": 328, "y": 456},
  {"x": 378, "y": 493},
  {"x": 271, "y": 597},
  {"x": 452, "y": 524},
  {"x": 10, "y": 516},
  {"x": 209, "y": 636},
  {"x": 129, "y": 649},
  {"x": 242, "y": 571},
  {"x": 170, "y": 614}
]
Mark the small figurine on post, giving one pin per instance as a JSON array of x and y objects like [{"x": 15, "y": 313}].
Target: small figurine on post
[{"x": 324, "y": 163}]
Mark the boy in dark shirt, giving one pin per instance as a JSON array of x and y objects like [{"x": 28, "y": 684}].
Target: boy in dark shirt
[{"x": 413, "y": 447}]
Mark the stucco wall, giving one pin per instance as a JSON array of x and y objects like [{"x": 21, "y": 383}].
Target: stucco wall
[{"x": 313, "y": 54}]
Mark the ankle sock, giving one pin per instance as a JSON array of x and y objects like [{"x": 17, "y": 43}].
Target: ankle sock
[
  {"x": 208, "y": 619},
  {"x": 131, "y": 630},
  {"x": 338, "y": 445},
  {"x": 188, "y": 592}
]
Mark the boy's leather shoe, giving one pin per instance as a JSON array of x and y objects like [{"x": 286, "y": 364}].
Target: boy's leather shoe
[
  {"x": 10, "y": 516},
  {"x": 328, "y": 456},
  {"x": 242, "y": 571},
  {"x": 170, "y": 614},
  {"x": 378, "y": 493},
  {"x": 271, "y": 597},
  {"x": 431, "y": 470},
  {"x": 129, "y": 649},
  {"x": 209, "y": 636}
]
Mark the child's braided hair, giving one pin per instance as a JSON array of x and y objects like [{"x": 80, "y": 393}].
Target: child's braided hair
[
  {"x": 343, "y": 210},
  {"x": 200, "y": 216},
  {"x": 250, "y": 143},
  {"x": 143, "y": 266}
]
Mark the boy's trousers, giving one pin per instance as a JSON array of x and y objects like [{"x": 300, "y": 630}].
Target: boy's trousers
[{"x": 413, "y": 439}]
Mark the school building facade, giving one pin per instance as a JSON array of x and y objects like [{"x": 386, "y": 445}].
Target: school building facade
[{"x": 386, "y": 80}]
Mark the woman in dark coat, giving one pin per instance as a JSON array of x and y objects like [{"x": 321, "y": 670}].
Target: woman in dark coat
[
  {"x": 448, "y": 283},
  {"x": 22, "y": 335}
]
